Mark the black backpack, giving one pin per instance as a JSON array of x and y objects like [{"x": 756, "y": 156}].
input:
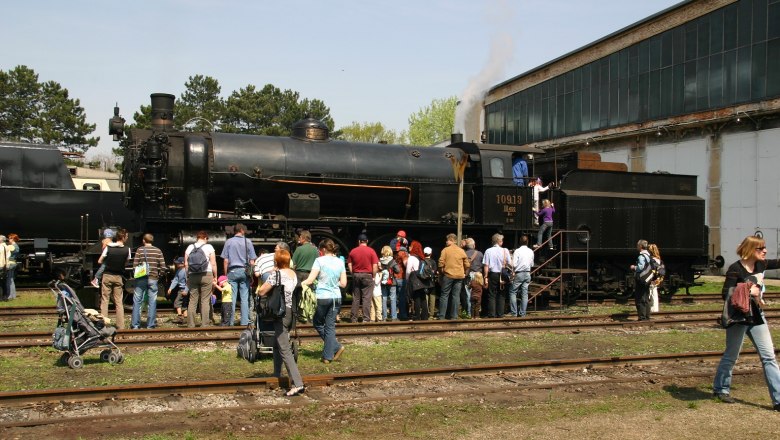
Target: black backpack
[
  {"x": 197, "y": 262},
  {"x": 425, "y": 272},
  {"x": 272, "y": 305}
]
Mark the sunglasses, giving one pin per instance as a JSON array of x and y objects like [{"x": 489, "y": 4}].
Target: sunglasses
[{"x": 762, "y": 248}]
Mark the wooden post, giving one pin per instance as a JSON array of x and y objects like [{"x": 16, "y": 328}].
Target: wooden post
[{"x": 459, "y": 168}]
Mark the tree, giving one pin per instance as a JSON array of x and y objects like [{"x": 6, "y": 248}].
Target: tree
[
  {"x": 270, "y": 111},
  {"x": 434, "y": 123},
  {"x": 42, "y": 113},
  {"x": 200, "y": 102},
  {"x": 371, "y": 132}
]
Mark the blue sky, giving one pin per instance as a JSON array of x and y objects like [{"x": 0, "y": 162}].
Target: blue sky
[{"x": 367, "y": 60}]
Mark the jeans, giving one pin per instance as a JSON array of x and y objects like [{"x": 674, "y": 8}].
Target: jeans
[
  {"x": 240, "y": 284},
  {"x": 10, "y": 285},
  {"x": 521, "y": 281},
  {"x": 449, "y": 286},
  {"x": 762, "y": 340},
  {"x": 467, "y": 286},
  {"x": 403, "y": 301},
  {"x": 545, "y": 229},
  {"x": 146, "y": 286},
  {"x": 388, "y": 292},
  {"x": 324, "y": 322}
]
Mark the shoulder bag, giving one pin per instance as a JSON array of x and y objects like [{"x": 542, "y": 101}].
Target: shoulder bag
[{"x": 142, "y": 269}]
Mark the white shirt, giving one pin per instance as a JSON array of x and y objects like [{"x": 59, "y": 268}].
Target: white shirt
[
  {"x": 523, "y": 259},
  {"x": 264, "y": 263},
  {"x": 207, "y": 249},
  {"x": 412, "y": 264}
]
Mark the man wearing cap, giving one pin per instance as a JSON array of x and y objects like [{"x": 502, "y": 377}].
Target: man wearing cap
[
  {"x": 453, "y": 265},
  {"x": 364, "y": 264},
  {"x": 431, "y": 293},
  {"x": 399, "y": 241},
  {"x": 237, "y": 256}
]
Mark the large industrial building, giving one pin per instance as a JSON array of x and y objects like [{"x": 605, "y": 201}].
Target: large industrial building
[{"x": 693, "y": 89}]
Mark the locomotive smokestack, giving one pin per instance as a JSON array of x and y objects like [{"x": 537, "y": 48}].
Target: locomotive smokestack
[
  {"x": 162, "y": 111},
  {"x": 456, "y": 138}
]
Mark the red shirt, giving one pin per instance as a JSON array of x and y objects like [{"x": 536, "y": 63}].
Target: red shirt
[{"x": 362, "y": 259}]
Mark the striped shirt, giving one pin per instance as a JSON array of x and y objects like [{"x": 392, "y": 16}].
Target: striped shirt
[{"x": 153, "y": 257}]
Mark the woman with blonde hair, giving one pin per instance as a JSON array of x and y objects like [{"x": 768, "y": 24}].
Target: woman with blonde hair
[
  {"x": 749, "y": 268},
  {"x": 655, "y": 254}
]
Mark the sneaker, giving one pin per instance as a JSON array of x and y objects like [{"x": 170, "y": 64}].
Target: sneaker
[
  {"x": 725, "y": 398},
  {"x": 776, "y": 407},
  {"x": 95, "y": 284}
]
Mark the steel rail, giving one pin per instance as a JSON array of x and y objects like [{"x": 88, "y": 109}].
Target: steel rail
[
  {"x": 372, "y": 331},
  {"x": 81, "y": 394}
]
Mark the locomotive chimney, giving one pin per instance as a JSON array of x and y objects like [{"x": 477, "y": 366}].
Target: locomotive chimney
[
  {"x": 162, "y": 111},
  {"x": 456, "y": 138}
]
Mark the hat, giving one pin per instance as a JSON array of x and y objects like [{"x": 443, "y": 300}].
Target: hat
[
  {"x": 401, "y": 234},
  {"x": 108, "y": 233},
  {"x": 362, "y": 237},
  {"x": 402, "y": 249},
  {"x": 221, "y": 279},
  {"x": 179, "y": 260},
  {"x": 427, "y": 251}
]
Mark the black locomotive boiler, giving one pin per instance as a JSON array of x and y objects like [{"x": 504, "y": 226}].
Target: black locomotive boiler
[{"x": 180, "y": 182}]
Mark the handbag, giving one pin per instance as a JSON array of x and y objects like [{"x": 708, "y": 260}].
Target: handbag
[
  {"x": 506, "y": 272},
  {"x": 142, "y": 269},
  {"x": 273, "y": 305}
]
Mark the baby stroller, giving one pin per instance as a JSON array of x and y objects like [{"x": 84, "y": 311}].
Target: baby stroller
[
  {"x": 259, "y": 338},
  {"x": 79, "y": 330}
]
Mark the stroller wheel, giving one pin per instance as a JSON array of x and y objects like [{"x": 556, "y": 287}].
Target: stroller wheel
[
  {"x": 121, "y": 358},
  {"x": 64, "y": 358},
  {"x": 104, "y": 355},
  {"x": 113, "y": 358},
  {"x": 75, "y": 362}
]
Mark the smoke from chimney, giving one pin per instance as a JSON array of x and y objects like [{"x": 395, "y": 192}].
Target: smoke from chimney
[{"x": 500, "y": 16}]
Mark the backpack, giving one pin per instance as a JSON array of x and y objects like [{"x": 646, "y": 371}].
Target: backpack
[
  {"x": 247, "y": 344},
  {"x": 197, "y": 262},
  {"x": 425, "y": 272},
  {"x": 652, "y": 271}
]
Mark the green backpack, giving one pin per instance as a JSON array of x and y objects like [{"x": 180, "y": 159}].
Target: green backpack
[{"x": 307, "y": 304}]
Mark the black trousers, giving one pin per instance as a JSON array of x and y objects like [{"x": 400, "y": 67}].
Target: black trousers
[
  {"x": 496, "y": 295},
  {"x": 420, "y": 301},
  {"x": 642, "y": 300}
]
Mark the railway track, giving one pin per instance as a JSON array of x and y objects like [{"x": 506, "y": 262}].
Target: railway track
[
  {"x": 182, "y": 336},
  {"x": 22, "y": 312},
  {"x": 246, "y": 385}
]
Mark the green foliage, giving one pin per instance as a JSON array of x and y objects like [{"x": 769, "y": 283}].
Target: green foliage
[
  {"x": 267, "y": 111},
  {"x": 42, "y": 112},
  {"x": 434, "y": 123},
  {"x": 200, "y": 103},
  {"x": 371, "y": 132}
]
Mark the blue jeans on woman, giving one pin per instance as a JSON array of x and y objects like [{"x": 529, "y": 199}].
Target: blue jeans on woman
[
  {"x": 762, "y": 340},
  {"x": 324, "y": 322},
  {"x": 10, "y": 285},
  {"x": 544, "y": 230},
  {"x": 403, "y": 302},
  {"x": 388, "y": 292}
]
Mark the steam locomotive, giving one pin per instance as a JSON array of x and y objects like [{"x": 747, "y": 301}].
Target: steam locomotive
[
  {"x": 177, "y": 183},
  {"x": 180, "y": 182}
]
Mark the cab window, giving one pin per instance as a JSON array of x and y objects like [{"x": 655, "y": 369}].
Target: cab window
[
  {"x": 496, "y": 167},
  {"x": 91, "y": 187}
]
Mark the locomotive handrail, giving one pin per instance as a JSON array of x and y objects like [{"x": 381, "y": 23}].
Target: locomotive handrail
[{"x": 560, "y": 257}]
